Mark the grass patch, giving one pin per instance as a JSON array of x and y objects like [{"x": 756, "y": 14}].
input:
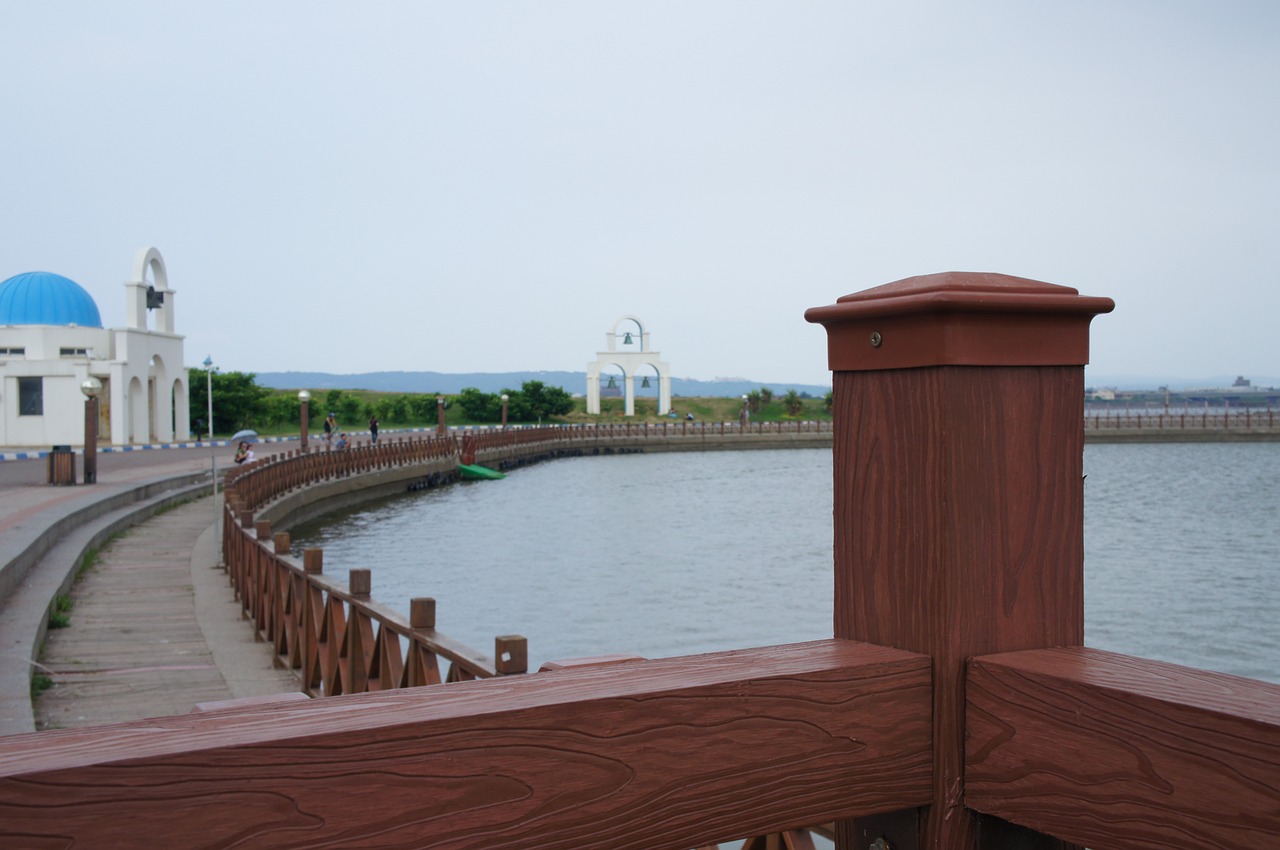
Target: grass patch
[
  {"x": 39, "y": 684},
  {"x": 89, "y": 560},
  {"x": 60, "y": 612}
]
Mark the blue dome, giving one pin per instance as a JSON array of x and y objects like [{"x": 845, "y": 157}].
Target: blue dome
[{"x": 44, "y": 298}]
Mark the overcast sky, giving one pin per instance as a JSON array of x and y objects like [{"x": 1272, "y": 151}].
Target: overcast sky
[{"x": 351, "y": 187}]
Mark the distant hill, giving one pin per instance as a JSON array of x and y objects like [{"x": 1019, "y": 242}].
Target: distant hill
[{"x": 493, "y": 382}]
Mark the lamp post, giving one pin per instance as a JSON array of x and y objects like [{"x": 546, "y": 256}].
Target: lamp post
[
  {"x": 440, "y": 429},
  {"x": 213, "y": 458},
  {"x": 505, "y": 399},
  {"x": 742, "y": 417},
  {"x": 304, "y": 399},
  {"x": 91, "y": 387}
]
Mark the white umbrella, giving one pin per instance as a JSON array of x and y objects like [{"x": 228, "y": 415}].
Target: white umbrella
[{"x": 245, "y": 436}]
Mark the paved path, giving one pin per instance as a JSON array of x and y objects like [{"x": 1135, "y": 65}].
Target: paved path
[
  {"x": 151, "y": 560},
  {"x": 137, "y": 643}
]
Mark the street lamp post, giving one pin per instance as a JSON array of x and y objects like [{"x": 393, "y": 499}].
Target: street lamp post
[
  {"x": 304, "y": 398},
  {"x": 213, "y": 458},
  {"x": 440, "y": 429},
  {"x": 743, "y": 415},
  {"x": 505, "y": 399},
  {"x": 91, "y": 387}
]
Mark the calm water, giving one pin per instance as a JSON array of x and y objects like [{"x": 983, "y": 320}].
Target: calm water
[{"x": 680, "y": 553}]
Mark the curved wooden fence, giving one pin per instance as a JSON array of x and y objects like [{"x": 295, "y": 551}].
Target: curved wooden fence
[{"x": 339, "y": 639}]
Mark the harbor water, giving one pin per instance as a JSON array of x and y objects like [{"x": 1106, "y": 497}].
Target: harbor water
[{"x": 672, "y": 554}]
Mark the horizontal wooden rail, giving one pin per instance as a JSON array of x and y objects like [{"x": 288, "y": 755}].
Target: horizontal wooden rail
[
  {"x": 673, "y": 753},
  {"x": 1113, "y": 751}
]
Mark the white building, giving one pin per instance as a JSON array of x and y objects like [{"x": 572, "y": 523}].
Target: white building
[{"x": 52, "y": 340}]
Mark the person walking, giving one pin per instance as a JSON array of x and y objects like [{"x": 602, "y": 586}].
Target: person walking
[
  {"x": 330, "y": 426},
  {"x": 373, "y": 429}
]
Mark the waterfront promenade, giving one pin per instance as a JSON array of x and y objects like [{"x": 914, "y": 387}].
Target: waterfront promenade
[{"x": 154, "y": 628}]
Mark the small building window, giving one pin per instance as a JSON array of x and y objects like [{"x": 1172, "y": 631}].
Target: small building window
[
  {"x": 13, "y": 352},
  {"x": 73, "y": 352},
  {"x": 31, "y": 396}
]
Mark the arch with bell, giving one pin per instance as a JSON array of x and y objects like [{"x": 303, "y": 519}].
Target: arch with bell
[{"x": 630, "y": 352}]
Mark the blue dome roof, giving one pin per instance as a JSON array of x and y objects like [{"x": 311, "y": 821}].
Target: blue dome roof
[{"x": 44, "y": 298}]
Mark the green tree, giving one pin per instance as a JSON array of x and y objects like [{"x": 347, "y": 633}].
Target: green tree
[
  {"x": 542, "y": 401},
  {"x": 754, "y": 400},
  {"x": 829, "y": 400},
  {"x": 344, "y": 406},
  {"x": 422, "y": 407},
  {"x": 793, "y": 403},
  {"x": 766, "y": 395},
  {"x": 238, "y": 401},
  {"x": 480, "y": 407}
]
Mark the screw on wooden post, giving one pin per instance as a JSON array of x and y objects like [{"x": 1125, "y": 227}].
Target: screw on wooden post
[
  {"x": 511, "y": 655},
  {"x": 422, "y": 612},
  {"x": 360, "y": 582},
  {"x": 281, "y": 540},
  {"x": 263, "y": 529},
  {"x": 313, "y": 560}
]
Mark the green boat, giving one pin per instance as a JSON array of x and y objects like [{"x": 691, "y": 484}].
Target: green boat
[{"x": 476, "y": 472}]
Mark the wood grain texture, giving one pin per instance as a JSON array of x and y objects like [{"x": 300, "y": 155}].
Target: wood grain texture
[
  {"x": 670, "y": 753},
  {"x": 959, "y": 514},
  {"x": 1119, "y": 752}
]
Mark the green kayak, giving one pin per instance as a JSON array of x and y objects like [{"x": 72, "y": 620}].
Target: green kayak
[{"x": 475, "y": 472}]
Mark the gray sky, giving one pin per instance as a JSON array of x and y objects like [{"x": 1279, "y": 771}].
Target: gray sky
[{"x": 488, "y": 186}]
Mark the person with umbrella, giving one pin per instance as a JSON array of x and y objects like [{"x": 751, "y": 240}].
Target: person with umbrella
[{"x": 246, "y": 438}]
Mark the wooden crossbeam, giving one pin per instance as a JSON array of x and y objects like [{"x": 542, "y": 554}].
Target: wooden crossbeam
[
  {"x": 672, "y": 753},
  {"x": 1119, "y": 752}
]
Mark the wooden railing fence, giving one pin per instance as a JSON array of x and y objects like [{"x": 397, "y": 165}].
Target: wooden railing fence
[
  {"x": 1244, "y": 421},
  {"x": 954, "y": 709}
]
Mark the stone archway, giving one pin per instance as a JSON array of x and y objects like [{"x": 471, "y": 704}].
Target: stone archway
[{"x": 631, "y": 355}]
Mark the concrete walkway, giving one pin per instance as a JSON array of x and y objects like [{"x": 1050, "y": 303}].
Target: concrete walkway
[
  {"x": 154, "y": 630},
  {"x": 45, "y": 531}
]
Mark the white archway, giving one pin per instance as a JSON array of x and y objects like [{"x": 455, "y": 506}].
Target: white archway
[{"x": 633, "y": 354}]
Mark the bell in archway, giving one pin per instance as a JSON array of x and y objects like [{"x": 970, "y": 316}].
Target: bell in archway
[
  {"x": 626, "y": 339},
  {"x": 645, "y": 382},
  {"x": 612, "y": 383}
]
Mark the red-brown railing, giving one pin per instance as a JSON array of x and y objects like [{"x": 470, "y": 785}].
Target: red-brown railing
[
  {"x": 1246, "y": 421},
  {"x": 337, "y": 638},
  {"x": 954, "y": 709}
]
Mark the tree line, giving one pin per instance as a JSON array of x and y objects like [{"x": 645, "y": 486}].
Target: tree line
[{"x": 240, "y": 402}]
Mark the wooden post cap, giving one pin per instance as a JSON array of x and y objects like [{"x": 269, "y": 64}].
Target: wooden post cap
[{"x": 959, "y": 319}]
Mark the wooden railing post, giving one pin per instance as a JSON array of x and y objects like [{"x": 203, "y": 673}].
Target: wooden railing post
[{"x": 959, "y": 407}]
